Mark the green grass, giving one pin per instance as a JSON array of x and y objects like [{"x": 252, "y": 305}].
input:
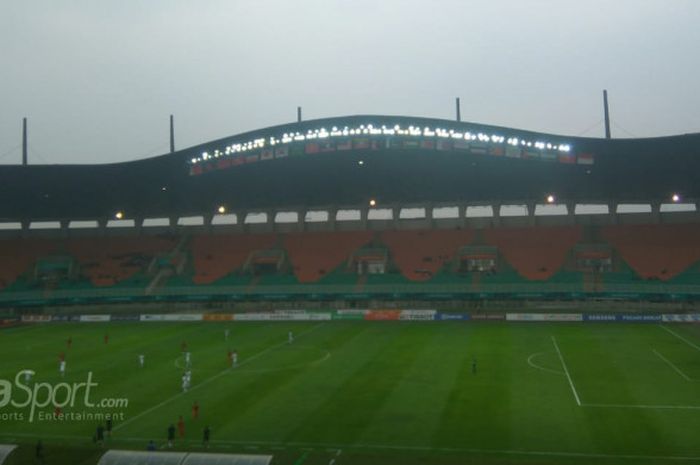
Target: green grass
[{"x": 382, "y": 393}]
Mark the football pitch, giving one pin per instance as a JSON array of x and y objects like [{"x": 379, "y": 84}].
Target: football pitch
[{"x": 366, "y": 392}]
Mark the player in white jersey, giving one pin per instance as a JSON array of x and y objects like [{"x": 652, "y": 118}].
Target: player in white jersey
[
  {"x": 142, "y": 360},
  {"x": 184, "y": 383},
  {"x": 188, "y": 360},
  {"x": 62, "y": 368},
  {"x": 234, "y": 359},
  {"x": 226, "y": 333},
  {"x": 290, "y": 337},
  {"x": 28, "y": 376}
]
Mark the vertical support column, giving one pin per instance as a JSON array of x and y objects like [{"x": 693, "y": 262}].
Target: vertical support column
[
  {"x": 458, "y": 109},
  {"x": 607, "y": 114},
  {"x": 332, "y": 214},
  {"x": 364, "y": 222},
  {"x": 612, "y": 212},
  {"x": 301, "y": 226},
  {"x": 298, "y": 114},
  {"x": 531, "y": 207},
  {"x": 462, "y": 214},
  {"x": 656, "y": 217},
  {"x": 570, "y": 212},
  {"x": 24, "y": 142},
  {"x": 172, "y": 134},
  {"x": 496, "y": 214}
]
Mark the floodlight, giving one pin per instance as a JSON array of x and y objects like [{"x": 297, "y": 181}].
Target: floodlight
[
  {"x": 676, "y": 198},
  {"x": 550, "y": 198},
  {"x": 372, "y": 203},
  {"x": 119, "y": 215},
  {"x": 221, "y": 209}
]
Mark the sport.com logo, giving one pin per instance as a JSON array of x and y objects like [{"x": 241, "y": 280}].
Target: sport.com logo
[{"x": 23, "y": 394}]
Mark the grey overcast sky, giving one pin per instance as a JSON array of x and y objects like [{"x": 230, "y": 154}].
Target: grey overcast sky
[{"x": 97, "y": 79}]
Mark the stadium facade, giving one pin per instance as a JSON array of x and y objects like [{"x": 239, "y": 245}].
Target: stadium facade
[{"x": 361, "y": 207}]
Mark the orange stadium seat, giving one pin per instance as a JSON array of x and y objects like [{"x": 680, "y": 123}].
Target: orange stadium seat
[
  {"x": 659, "y": 251},
  {"x": 420, "y": 254},
  {"x": 18, "y": 255},
  {"x": 216, "y": 256},
  {"x": 535, "y": 253},
  {"x": 106, "y": 261},
  {"x": 315, "y": 254}
]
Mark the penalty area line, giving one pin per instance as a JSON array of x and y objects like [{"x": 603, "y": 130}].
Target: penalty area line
[
  {"x": 210, "y": 379},
  {"x": 670, "y": 331},
  {"x": 566, "y": 372},
  {"x": 675, "y": 368}
]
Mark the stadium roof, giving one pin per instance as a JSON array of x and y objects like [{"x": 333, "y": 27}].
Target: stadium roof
[{"x": 348, "y": 160}]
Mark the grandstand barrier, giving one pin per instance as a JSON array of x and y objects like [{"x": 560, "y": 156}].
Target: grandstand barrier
[
  {"x": 452, "y": 316},
  {"x": 416, "y": 315},
  {"x": 94, "y": 318},
  {"x": 173, "y": 317},
  {"x": 5, "y": 451},
  {"x": 544, "y": 317},
  {"x": 122, "y": 457},
  {"x": 681, "y": 318}
]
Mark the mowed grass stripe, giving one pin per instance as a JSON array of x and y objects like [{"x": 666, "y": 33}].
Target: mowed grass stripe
[
  {"x": 260, "y": 342},
  {"x": 353, "y": 404},
  {"x": 477, "y": 410},
  {"x": 612, "y": 365},
  {"x": 413, "y": 412},
  {"x": 283, "y": 411}
]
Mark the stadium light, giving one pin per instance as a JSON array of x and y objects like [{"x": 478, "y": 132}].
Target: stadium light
[
  {"x": 119, "y": 215},
  {"x": 676, "y": 198},
  {"x": 550, "y": 198},
  {"x": 361, "y": 162},
  {"x": 221, "y": 209},
  {"x": 372, "y": 203}
]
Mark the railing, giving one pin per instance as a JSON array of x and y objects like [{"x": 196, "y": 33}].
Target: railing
[{"x": 426, "y": 290}]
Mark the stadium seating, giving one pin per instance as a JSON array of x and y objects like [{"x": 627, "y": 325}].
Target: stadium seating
[
  {"x": 535, "y": 253},
  {"x": 315, "y": 254},
  {"x": 639, "y": 259},
  {"x": 19, "y": 255},
  {"x": 107, "y": 261},
  {"x": 215, "y": 256},
  {"x": 658, "y": 252},
  {"x": 420, "y": 254}
]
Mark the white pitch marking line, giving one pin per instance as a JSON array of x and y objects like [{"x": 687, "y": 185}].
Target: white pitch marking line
[
  {"x": 642, "y": 406},
  {"x": 210, "y": 379},
  {"x": 534, "y": 365},
  {"x": 680, "y": 337},
  {"x": 678, "y": 370},
  {"x": 566, "y": 372}
]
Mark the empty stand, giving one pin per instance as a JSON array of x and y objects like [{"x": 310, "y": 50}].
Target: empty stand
[
  {"x": 420, "y": 254},
  {"x": 535, "y": 253},
  {"x": 106, "y": 261},
  {"x": 216, "y": 256},
  {"x": 659, "y": 251},
  {"x": 315, "y": 254},
  {"x": 17, "y": 256}
]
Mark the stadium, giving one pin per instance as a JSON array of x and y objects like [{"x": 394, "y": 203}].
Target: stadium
[{"x": 400, "y": 290}]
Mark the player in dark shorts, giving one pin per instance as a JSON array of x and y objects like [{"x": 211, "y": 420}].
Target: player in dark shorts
[
  {"x": 108, "y": 426},
  {"x": 205, "y": 439},
  {"x": 171, "y": 435},
  {"x": 100, "y": 434}
]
